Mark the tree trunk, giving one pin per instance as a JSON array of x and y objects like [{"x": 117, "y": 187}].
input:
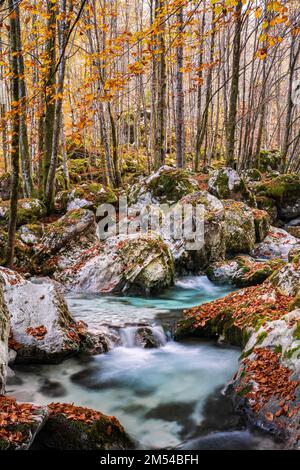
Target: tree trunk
[
  {"x": 15, "y": 139},
  {"x": 179, "y": 94}
]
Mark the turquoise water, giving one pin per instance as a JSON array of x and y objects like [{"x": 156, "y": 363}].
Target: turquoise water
[{"x": 160, "y": 394}]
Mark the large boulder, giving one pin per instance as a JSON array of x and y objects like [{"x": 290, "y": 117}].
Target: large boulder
[
  {"x": 211, "y": 247},
  {"x": 287, "y": 279},
  {"x": 277, "y": 244},
  {"x": 167, "y": 185},
  {"x": 87, "y": 196},
  {"x": 29, "y": 211},
  {"x": 226, "y": 183},
  {"x": 65, "y": 241},
  {"x": 135, "y": 263},
  {"x": 240, "y": 227},
  {"x": 284, "y": 190},
  {"x": 262, "y": 223},
  {"x": 20, "y": 423},
  {"x": 266, "y": 386},
  {"x": 4, "y": 334},
  {"x": 242, "y": 271},
  {"x": 42, "y": 329},
  {"x": 72, "y": 427}
]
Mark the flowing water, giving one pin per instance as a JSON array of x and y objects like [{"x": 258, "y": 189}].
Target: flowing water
[{"x": 165, "y": 397}]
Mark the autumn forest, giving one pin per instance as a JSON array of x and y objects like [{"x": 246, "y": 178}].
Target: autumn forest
[{"x": 149, "y": 224}]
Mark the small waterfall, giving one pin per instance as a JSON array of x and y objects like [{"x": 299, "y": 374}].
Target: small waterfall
[{"x": 143, "y": 336}]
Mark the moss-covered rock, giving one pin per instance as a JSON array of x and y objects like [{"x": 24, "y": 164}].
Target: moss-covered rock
[
  {"x": 167, "y": 185},
  {"x": 72, "y": 427},
  {"x": 285, "y": 191},
  {"x": 226, "y": 183},
  {"x": 65, "y": 241},
  {"x": 23, "y": 253},
  {"x": 87, "y": 196},
  {"x": 29, "y": 211},
  {"x": 252, "y": 175},
  {"x": 242, "y": 271},
  {"x": 31, "y": 234},
  {"x": 262, "y": 222},
  {"x": 268, "y": 205},
  {"x": 287, "y": 278},
  {"x": 269, "y": 160},
  {"x": 240, "y": 227},
  {"x": 196, "y": 255},
  {"x": 295, "y": 231},
  {"x": 139, "y": 263},
  {"x": 266, "y": 386},
  {"x": 20, "y": 423}
]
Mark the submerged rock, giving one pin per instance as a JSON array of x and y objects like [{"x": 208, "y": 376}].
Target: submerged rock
[
  {"x": 277, "y": 244},
  {"x": 72, "y": 427},
  {"x": 240, "y": 227},
  {"x": 20, "y": 423},
  {"x": 226, "y": 183},
  {"x": 167, "y": 185},
  {"x": 133, "y": 263},
  {"x": 42, "y": 329}
]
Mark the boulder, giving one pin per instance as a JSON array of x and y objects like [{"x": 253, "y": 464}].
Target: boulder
[
  {"x": 31, "y": 234},
  {"x": 266, "y": 386},
  {"x": 284, "y": 190},
  {"x": 4, "y": 334},
  {"x": 23, "y": 252},
  {"x": 252, "y": 175},
  {"x": 139, "y": 263},
  {"x": 277, "y": 244},
  {"x": 211, "y": 247},
  {"x": 29, "y": 211},
  {"x": 267, "y": 204},
  {"x": 240, "y": 227},
  {"x": 20, "y": 423},
  {"x": 65, "y": 241},
  {"x": 42, "y": 329},
  {"x": 242, "y": 271},
  {"x": 226, "y": 183},
  {"x": 87, "y": 196},
  {"x": 269, "y": 160},
  {"x": 167, "y": 185},
  {"x": 287, "y": 279},
  {"x": 72, "y": 427}
]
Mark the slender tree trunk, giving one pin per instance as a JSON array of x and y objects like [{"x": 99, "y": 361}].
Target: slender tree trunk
[
  {"x": 179, "y": 94},
  {"x": 15, "y": 139},
  {"x": 231, "y": 124},
  {"x": 161, "y": 88},
  {"x": 24, "y": 144}
]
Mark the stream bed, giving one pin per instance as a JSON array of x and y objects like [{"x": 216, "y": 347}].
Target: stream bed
[{"x": 165, "y": 397}]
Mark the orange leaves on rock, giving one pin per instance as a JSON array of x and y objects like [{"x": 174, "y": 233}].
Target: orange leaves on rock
[
  {"x": 38, "y": 332},
  {"x": 11, "y": 414},
  {"x": 272, "y": 379},
  {"x": 246, "y": 307}
]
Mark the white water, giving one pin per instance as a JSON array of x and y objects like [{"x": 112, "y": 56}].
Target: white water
[{"x": 158, "y": 394}]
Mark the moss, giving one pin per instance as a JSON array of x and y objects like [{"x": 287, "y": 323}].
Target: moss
[
  {"x": 278, "y": 349},
  {"x": 294, "y": 352},
  {"x": 279, "y": 187},
  {"x": 296, "y": 333},
  {"x": 245, "y": 390},
  {"x": 261, "y": 337},
  {"x": 246, "y": 353}
]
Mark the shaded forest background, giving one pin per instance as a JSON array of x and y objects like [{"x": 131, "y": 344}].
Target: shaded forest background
[{"x": 111, "y": 87}]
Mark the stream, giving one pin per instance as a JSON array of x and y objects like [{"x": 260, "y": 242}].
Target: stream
[{"x": 166, "y": 397}]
